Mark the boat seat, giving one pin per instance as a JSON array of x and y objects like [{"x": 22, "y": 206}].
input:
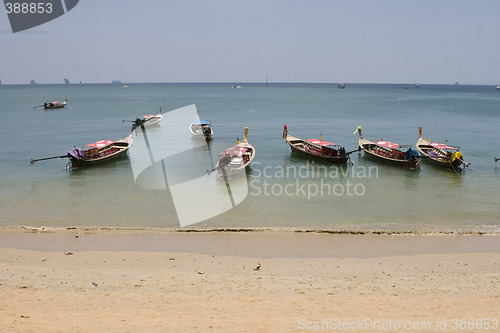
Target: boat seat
[
  {"x": 91, "y": 152},
  {"x": 236, "y": 161},
  {"x": 432, "y": 154}
]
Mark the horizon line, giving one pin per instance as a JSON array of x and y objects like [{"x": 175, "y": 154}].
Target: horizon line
[{"x": 241, "y": 82}]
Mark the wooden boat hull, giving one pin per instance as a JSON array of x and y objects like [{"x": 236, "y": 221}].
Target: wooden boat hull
[
  {"x": 442, "y": 159},
  {"x": 384, "y": 154},
  {"x": 115, "y": 150},
  {"x": 297, "y": 146}
]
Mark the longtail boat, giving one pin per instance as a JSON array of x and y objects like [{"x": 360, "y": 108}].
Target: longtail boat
[
  {"x": 94, "y": 153},
  {"x": 402, "y": 155},
  {"x": 148, "y": 119},
  {"x": 236, "y": 158},
  {"x": 55, "y": 104},
  {"x": 318, "y": 149},
  {"x": 441, "y": 154}
]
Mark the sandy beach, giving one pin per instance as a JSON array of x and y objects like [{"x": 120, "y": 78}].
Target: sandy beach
[{"x": 88, "y": 281}]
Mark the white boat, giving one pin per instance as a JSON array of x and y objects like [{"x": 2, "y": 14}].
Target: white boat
[
  {"x": 236, "y": 158},
  {"x": 202, "y": 127},
  {"x": 149, "y": 119}
]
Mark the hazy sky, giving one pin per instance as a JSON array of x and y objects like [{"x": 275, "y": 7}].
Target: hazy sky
[{"x": 388, "y": 41}]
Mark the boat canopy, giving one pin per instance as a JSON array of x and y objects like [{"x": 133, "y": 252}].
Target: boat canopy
[
  {"x": 320, "y": 143},
  {"x": 387, "y": 144},
  {"x": 201, "y": 122},
  {"x": 76, "y": 153},
  {"x": 441, "y": 146},
  {"x": 236, "y": 151},
  {"x": 148, "y": 116},
  {"x": 99, "y": 144}
]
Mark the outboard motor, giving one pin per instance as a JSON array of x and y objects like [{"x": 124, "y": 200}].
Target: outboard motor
[{"x": 411, "y": 154}]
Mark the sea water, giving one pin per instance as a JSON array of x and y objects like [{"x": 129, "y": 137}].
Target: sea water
[{"x": 285, "y": 190}]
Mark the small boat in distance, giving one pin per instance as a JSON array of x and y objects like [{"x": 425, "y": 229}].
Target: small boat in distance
[
  {"x": 341, "y": 85},
  {"x": 55, "y": 104},
  {"x": 236, "y": 87},
  {"x": 498, "y": 87},
  {"x": 402, "y": 155},
  {"x": 234, "y": 159},
  {"x": 202, "y": 127},
  {"x": 319, "y": 149},
  {"x": 441, "y": 154},
  {"x": 94, "y": 153}
]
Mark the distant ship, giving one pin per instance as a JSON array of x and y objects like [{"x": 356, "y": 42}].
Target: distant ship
[
  {"x": 341, "y": 85},
  {"x": 235, "y": 86},
  {"x": 498, "y": 87}
]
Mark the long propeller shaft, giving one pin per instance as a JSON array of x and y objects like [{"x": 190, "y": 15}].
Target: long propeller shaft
[{"x": 47, "y": 158}]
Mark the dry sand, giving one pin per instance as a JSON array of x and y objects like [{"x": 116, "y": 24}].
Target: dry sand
[{"x": 209, "y": 282}]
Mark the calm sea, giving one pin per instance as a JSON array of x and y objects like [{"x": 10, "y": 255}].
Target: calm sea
[{"x": 285, "y": 190}]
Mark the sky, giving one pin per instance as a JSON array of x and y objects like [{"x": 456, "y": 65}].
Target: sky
[{"x": 326, "y": 41}]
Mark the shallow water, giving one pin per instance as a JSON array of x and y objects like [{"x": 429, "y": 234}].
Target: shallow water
[{"x": 285, "y": 189}]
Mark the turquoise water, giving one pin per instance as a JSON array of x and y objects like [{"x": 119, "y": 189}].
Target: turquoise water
[{"x": 285, "y": 190}]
